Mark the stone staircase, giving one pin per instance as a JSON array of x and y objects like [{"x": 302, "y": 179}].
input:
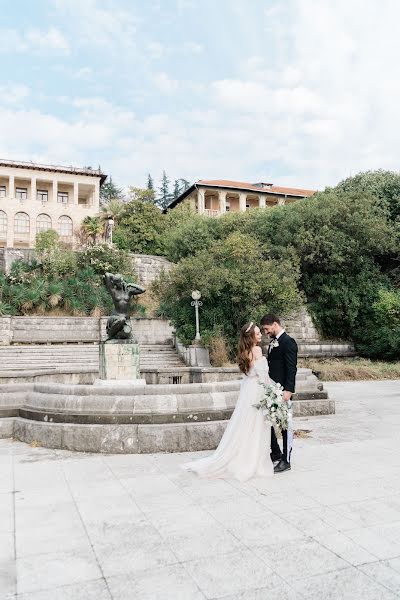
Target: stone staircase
[
  {"x": 159, "y": 356},
  {"x": 302, "y": 329},
  {"x": 49, "y": 358}
]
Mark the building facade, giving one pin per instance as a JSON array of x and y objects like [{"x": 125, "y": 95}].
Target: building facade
[
  {"x": 35, "y": 198},
  {"x": 216, "y": 197}
]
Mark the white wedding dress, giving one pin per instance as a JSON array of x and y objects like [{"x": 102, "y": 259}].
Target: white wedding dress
[{"x": 244, "y": 450}]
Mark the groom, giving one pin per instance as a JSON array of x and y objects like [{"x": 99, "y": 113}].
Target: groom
[{"x": 282, "y": 362}]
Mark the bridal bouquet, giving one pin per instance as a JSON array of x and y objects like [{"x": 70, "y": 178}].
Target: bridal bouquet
[{"x": 273, "y": 406}]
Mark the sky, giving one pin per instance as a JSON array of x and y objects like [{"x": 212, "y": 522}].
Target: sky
[{"x": 293, "y": 92}]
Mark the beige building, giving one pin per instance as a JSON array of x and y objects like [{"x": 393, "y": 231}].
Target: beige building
[
  {"x": 36, "y": 197},
  {"x": 216, "y": 197}
]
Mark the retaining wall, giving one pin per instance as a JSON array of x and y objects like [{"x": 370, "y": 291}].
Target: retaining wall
[
  {"x": 58, "y": 330},
  {"x": 149, "y": 267}
]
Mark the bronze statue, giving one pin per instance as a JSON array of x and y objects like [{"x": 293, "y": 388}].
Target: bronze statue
[{"x": 119, "y": 324}]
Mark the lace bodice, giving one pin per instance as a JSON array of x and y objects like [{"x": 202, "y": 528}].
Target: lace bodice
[{"x": 259, "y": 370}]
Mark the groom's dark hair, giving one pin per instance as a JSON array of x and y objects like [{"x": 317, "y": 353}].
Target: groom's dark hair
[{"x": 269, "y": 319}]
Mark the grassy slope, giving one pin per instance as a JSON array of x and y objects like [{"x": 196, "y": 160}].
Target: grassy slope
[{"x": 351, "y": 369}]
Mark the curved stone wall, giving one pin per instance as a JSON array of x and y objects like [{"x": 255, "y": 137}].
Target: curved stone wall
[{"x": 152, "y": 418}]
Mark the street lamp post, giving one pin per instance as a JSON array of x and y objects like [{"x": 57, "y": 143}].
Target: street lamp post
[{"x": 196, "y": 295}]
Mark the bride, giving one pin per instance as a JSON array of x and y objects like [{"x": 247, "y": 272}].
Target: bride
[{"x": 243, "y": 451}]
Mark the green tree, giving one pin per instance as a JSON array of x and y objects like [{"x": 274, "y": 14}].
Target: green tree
[
  {"x": 187, "y": 237},
  {"x": 93, "y": 228},
  {"x": 141, "y": 194},
  {"x": 102, "y": 259},
  {"x": 165, "y": 197},
  {"x": 184, "y": 184},
  {"x": 110, "y": 191},
  {"x": 140, "y": 228},
  {"x": 238, "y": 282},
  {"x": 114, "y": 209},
  {"x": 150, "y": 182},
  {"x": 46, "y": 240},
  {"x": 381, "y": 184},
  {"x": 177, "y": 189}
]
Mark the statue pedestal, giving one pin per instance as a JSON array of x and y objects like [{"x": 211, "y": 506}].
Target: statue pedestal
[{"x": 119, "y": 361}]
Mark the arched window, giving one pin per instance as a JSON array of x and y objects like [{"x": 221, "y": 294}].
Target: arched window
[
  {"x": 3, "y": 223},
  {"x": 65, "y": 226},
  {"x": 43, "y": 223},
  {"x": 21, "y": 223}
]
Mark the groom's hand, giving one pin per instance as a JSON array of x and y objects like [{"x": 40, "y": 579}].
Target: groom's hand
[{"x": 287, "y": 396}]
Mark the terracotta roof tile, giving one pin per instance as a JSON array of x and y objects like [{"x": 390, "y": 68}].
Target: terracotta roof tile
[
  {"x": 294, "y": 191},
  {"x": 241, "y": 185}
]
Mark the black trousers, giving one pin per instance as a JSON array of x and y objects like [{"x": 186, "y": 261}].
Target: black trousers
[{"x": 275, "y": 448}]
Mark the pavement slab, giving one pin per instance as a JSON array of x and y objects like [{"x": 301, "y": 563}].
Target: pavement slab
[{"x": 78, "y": 526}]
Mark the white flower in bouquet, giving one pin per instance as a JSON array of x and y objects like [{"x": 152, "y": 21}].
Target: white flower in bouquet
[{"x": 273, "y": 406}]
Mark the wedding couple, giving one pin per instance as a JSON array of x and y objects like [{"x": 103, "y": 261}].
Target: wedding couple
[{"x": 249, "y": 447}]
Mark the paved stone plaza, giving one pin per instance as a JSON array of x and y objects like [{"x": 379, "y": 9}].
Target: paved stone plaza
[{"x": 122, "y": 527}]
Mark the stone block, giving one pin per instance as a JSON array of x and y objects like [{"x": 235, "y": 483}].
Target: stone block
[
  {"x": 100, "y": 438},
  {"x": 47, "y": 435},
  {"x": 162, "y": 438},
  {"x": 205, "y": 436},
  {"x": 161, "y": 403},
  {"x": 7, "y": 427},
  {"x": 5, "y": 331},
  {"x": 119, "y": 359},
  {"x": 308, "y": 408}
]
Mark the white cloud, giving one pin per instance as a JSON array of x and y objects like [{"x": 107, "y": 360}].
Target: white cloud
[
  {"x": 193, "y": 47},
  {"x": 33, "y": 40},
  {"x": 164, "y": 83},
  {"x": 156, "y": 50},
  {"x": 321, "y": 101},
  {"x": 83, "y": 73},
  {"x": 13, "y": 94},
  {"x": 99, "y": 23}
]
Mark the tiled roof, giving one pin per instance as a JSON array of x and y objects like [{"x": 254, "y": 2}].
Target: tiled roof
[
  {"x": 241, "y": 185},
  {"x": 292, "y": 191},
  {"x": 53, "y": 168}
]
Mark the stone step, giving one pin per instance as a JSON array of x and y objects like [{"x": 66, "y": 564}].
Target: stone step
[
  {"x": 164, "y": 356},
  {"x": 48, "y": 357},
  {"x": 46, "y": 350},
  {"x": 155, "y": 363}
]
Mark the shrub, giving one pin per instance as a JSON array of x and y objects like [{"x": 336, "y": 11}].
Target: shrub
[
  {"x": 219, "y": 352},
  {"x": 340, "y": 247},
  {"x": 65, "y": 282},
  {"x": 378, "y": 334},
  {"x": 237, "y": 282},
  {"x": 381, "y": 184},
  {"x": 47, "y": 240},
  {"x": 139, "y": 228},
  {"x": 104, "y": 258}
]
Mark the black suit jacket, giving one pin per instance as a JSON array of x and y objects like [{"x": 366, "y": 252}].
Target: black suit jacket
[{"x": 282, "y": 362}]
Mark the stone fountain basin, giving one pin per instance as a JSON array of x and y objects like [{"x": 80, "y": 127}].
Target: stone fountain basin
[{"x": 140, "y": 419}]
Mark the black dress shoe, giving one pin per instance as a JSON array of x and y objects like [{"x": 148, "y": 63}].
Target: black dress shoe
[
  {"x": 283, "y": 465},
  {"x": 276, "y": 457}
]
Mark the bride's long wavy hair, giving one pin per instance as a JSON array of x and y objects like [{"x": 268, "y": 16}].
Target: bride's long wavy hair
[{"x": 246, "y": 342}]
